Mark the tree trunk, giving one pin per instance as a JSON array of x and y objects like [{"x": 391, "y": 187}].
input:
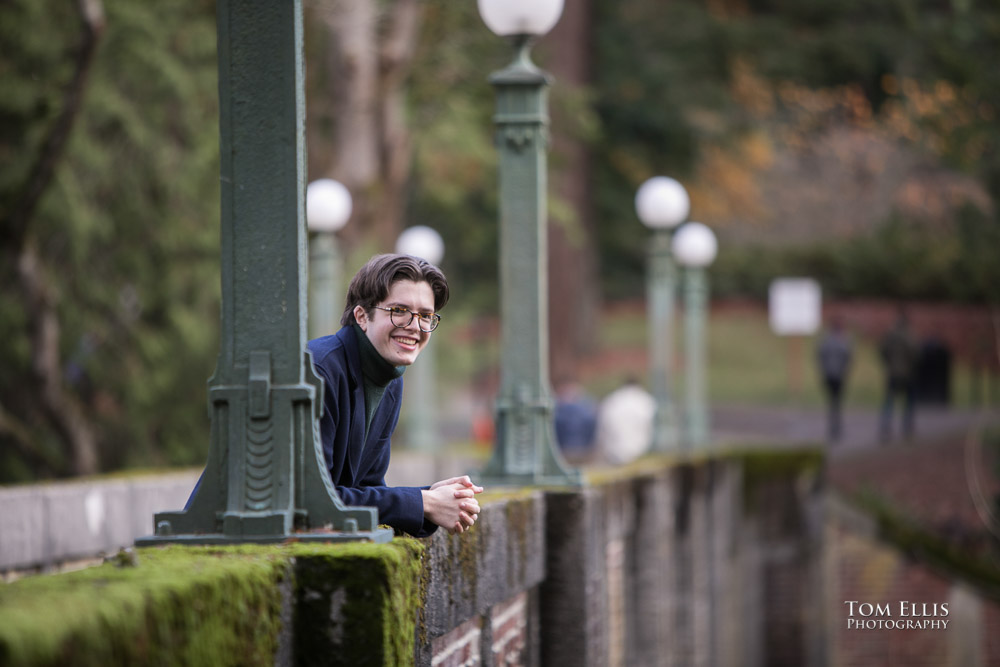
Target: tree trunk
[
  {"x": 60, "y": 410},
  {"x": 368, "y": 57},
  {"x": 14, "y": 223},
  {"x": 574, "y": 292},
  {"x": 395, "y": 59}
]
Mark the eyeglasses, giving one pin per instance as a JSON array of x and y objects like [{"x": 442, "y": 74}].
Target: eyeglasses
[{"x": 401, "y": 317}]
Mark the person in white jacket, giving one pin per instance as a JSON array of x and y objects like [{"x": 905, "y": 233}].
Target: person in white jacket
[{"x": 625, "y": 423}]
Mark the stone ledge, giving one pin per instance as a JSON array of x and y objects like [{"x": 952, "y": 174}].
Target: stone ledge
[
  {"x": 174, "y": 606},
  {"x": 293, "y": 603},
  {"x": 47, "y": 524}
]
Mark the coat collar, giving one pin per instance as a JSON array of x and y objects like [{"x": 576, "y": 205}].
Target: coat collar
[
  {"x": 353, "y": 354},
  {"x": 359, "y": 441}
]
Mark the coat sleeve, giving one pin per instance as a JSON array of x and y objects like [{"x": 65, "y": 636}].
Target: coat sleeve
[{"x": 401, "y": 507}]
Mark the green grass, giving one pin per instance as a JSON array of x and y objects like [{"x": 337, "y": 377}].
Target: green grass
[{"x": 747, "y": 363}]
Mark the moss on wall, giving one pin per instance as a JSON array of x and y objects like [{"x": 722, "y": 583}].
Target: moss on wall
[
  {"x": 350, "y": 604},
  {"x": 519, "y": 515},
  {"x": 912, "y": 538},
  {"x": 761, "y": 464},
  {"x": 220, "y": 606},
  {"x": 783, "y": 466},
  {"x": 176, "y": 606},
  {"x": 357, "y": 604},
  {"x": 646, "y": 466}
]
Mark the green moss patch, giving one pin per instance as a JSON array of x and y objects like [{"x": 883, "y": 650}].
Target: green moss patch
[
  {"x": 646, "y": 466},
  {"x": 355, "y": 604},
  {"x": 912, "y": 538},
  {"x": 177, "y": 606},
  {"x": 762, "y": 465}
]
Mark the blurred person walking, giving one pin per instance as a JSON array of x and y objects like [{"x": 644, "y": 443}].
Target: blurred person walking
[
  {"x": 575, "y": 421},
  {"x": 900, "y": 354},
  {"x": 833, "y": 355},
  {"x": 625, "y": 423}
]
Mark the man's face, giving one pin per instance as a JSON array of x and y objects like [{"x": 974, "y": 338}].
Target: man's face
[{"x": 398, "y": 346}]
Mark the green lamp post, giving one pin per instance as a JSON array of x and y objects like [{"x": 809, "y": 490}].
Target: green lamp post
[
  {"x": 662, "y": 203},
  {"x": 421, "y": 378},
  {"x": 328, "y": 208},
  {"x": 525, "y": 451},
  {"x": 695, "y": 248},
  {"x": 265, "y": 479}
]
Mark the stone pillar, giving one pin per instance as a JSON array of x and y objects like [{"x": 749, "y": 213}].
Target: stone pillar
[
  {"x": 653, "y": 562},
  {"x": 573, "y": 598}
]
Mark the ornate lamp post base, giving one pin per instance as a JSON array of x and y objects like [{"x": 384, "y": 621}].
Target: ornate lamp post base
[
  {"x": 265, "y": 479},
  {"x": 526, "y": 453}
]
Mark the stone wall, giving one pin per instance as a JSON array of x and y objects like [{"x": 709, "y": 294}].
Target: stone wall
[
  {"x": 480, "y": 601},
  {"x": 43, "y": 526},
  {"x": 706, "y": 563},
  {"x": 884, "y": 606},
  {"x": 661, "y": 563}
]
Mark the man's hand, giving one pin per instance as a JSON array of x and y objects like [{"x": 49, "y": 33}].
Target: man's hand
[{"x": 451, "y": 503}]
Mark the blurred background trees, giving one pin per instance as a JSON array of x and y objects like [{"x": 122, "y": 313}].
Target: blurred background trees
[
  {"x": 108, "y": 233},
  {"x": 851, "y": 140}
]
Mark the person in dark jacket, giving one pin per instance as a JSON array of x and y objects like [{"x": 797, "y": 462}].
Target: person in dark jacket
[
  {"x": 900, "y": 354},
  {"x": 391, "y": 309},
  {"x": 833, "y": 354}
]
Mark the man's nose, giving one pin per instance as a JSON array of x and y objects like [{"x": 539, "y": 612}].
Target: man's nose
[{"x": 414, "y": 323}]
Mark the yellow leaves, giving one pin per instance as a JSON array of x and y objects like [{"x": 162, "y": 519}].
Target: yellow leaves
[
  {"x": 726, "y": 186},
  {"x": 805, "y": 108},
  {"x": 750, "y": 90},
  {"x": 809, "y": 107},
  {"x": 945, "y": 91},
  {"x": 808, "y": 100},
  {"x": 934, "y": 199},
  {"x": 758, "y": 150},
  {"x": 629, "y": 164},
  {"x": 723, "y": 9},
  {"x": 938, "y": 115},
  {"x": 890, "y": 85}
]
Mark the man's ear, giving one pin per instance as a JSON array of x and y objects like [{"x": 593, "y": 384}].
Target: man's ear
[{"x": 361, "y": 317}]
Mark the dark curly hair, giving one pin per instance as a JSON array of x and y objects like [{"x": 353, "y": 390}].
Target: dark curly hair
[{"x": 372, "y": 282}]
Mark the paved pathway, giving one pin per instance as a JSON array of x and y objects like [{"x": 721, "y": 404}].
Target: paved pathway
[
  {"x": 942, "y": 477},
  {"x": 803, "y": 425}
]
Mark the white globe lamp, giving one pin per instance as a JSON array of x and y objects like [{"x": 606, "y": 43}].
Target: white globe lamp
[
  {"x": 662, "y": 203},
  {"x": 421, "y": 241},
  {"x": 328, "y": 205},
  {"x": 520, "y": 17},
  {"x": 695, "y": 245}
]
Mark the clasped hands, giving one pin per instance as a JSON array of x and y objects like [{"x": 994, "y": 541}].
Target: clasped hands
[{"x": 451, "y": 503}]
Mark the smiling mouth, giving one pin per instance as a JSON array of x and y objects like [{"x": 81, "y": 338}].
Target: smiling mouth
[{"x": 409, "y": 342}]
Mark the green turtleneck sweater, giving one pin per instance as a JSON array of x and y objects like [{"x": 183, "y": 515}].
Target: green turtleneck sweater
[{"x": 377, "y": 372}]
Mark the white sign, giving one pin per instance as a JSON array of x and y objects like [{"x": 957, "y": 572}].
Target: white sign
[{"x": 794, "y": 306}]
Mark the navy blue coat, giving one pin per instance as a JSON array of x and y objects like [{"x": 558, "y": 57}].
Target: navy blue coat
[{"x": 357, "y": 461}]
